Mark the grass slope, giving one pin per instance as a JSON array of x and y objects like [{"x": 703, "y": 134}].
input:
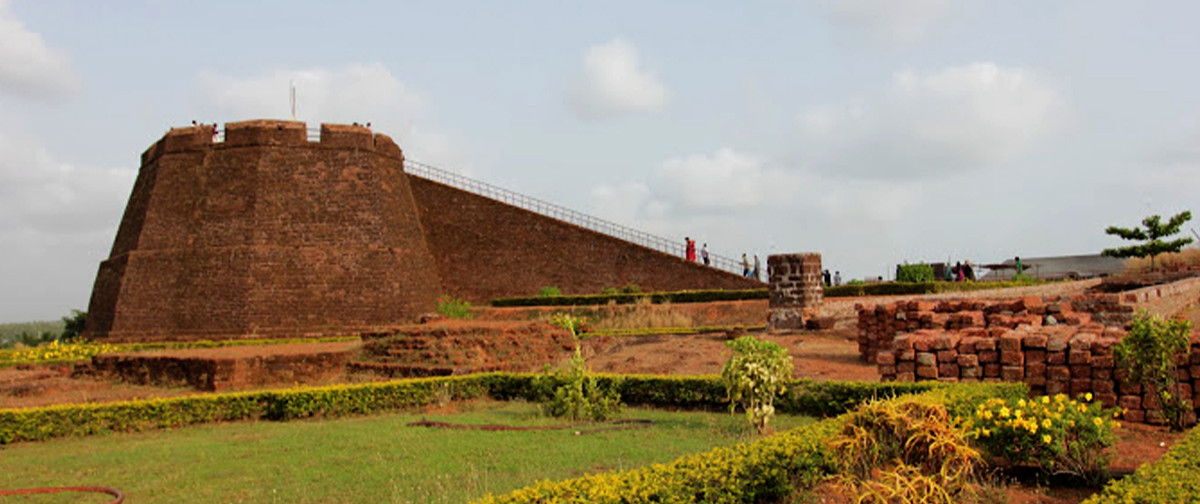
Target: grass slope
[{"x": 367, "y": 459}]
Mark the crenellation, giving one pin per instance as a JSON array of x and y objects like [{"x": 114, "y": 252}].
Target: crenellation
[
  {"x": 342, "y": 136},
  {"x": 266, "y": 132}
]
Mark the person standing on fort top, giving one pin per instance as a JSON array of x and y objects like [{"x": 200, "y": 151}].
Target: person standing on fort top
[
  {"x": 837, "y": 278},
  {"x": 689, "y": 248},
  {"x": 1020, "y": 269},
  {"x": 968, "y": 271},
  {"x": 745, "y": 265},
  {"x": 825, "y": 276},
  {"x": 757, "y": 268},
  {"x": 704, "y": 254}
]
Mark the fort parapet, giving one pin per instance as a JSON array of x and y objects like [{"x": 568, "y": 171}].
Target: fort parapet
[{"x": 269, "y": 234}]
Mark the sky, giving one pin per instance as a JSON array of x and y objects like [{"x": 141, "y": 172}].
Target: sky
[{"x": 874, "y": 132}]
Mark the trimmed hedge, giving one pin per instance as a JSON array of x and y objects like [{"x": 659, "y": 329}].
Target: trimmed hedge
[
  {"x": 703, "y": 296},
  {"x": 1173, "y": 478},
  {"x": 688, "y": 392},
  {"x": 908, "y": 288},
  {"x": 83, "y": 351},
  {"x": 670, "y": 330},
  {"x": 37, "y": 424},
  {"x": 688, "y": 296},
  {"x": 765, "y": 470}
]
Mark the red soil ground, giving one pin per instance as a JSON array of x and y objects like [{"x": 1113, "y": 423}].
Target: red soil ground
[{"x": 822, "y": 355}]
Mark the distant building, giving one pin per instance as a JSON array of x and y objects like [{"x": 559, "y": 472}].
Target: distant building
[{"x": 1056, "y": 268}]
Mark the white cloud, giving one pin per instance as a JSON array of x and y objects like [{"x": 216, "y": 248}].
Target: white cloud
[
  {"x": 354, "y": 93},
  {"x": 893, "y": 21},
  {"x": 58, "y": 221},
  {"x": 614, "y": 83},
  {"x": 27, "y": 66},
  {"x": 725, "y": 179},
  {"x": 956, "y": 119},
  {"x": 44, "y": 196}
]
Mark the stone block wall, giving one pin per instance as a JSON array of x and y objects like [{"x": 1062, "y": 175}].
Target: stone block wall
[
  {"x": 795, "y": 289},
  {"x": 879, "y": 324},
  {"x": 1069, "y": 360}
]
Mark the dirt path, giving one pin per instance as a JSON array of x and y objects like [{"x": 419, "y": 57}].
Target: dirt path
[{"x": 822, "y": 355}]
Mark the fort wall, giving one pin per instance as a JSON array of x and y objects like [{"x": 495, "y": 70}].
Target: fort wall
[{"x": 486, "y": 249}]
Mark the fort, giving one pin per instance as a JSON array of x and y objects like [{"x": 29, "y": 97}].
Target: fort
[{"x": 266, "y": 233}]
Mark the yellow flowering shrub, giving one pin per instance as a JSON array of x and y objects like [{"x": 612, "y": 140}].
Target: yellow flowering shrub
[
  {"x": 54, "y": 352},
  {"x": 1055, "y": 433}
]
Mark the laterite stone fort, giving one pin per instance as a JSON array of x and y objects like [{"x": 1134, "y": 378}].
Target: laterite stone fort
[{"x": 269, "y": 234}]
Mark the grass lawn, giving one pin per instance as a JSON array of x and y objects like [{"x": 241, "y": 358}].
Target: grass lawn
[{"x": 364, "y": 459}]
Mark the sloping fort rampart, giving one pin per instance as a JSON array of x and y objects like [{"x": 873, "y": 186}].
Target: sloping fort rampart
[{"x": 267, "y": 233}]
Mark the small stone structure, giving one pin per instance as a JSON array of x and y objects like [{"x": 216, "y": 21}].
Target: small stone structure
[{"x": 796, "y": 290}]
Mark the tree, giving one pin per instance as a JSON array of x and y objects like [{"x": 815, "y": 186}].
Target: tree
[
  {"x": 1153, "y": 234},
  {"x": 73, "y": 326}
]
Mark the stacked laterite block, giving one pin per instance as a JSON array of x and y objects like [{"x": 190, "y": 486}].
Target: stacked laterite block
[
  {"x": 879, "y": 324},
  {"x": 1068, "y": 360},
  {"x": 795, "y": 289}
]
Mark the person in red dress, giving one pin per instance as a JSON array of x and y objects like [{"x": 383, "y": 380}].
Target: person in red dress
[{"x": 691, "y": 248}]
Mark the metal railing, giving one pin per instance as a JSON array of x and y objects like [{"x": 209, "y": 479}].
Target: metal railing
[{"x": 673, "y": 247}]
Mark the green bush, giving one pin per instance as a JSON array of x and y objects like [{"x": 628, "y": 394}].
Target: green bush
[
  {"x": 549, "y": 291},
  {"x": 1149, "y": 353},
  {"x": 1057, "y": 434},
  {"x": 576, "y": 325},
  {"x": 914, "y": 273},
  {"x": 1022, "y": 278},
  {"x": 756, "y": 373},
  {"x": 73, "y": 326},
  {"x": 1172, "y": 479},
  {"x": 580, "y": 396},
  {"x": 452, "y": 307}
]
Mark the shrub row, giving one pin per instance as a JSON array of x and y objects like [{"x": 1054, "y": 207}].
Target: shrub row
[
  {"x": 36, "y": 424},
  {"x": 763, "y": 471},
  {"x": 906, "y": 288},
  {"x": 688, "y": 392},
  {"x": 61, "y": 353},
  {"x": 639, "y": 331},
  {"x": 1173, "y": 478},
  {"x": 689, "y": 296},
  {"x": 703, "y": 296}
]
